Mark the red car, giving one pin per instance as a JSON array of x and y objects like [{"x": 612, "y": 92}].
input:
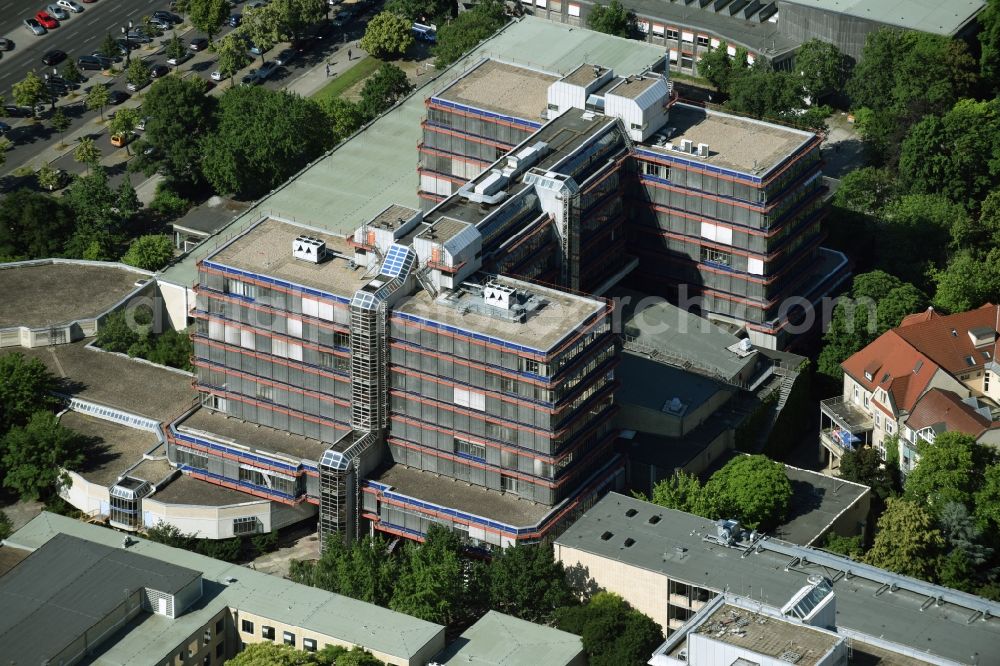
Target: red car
[{"x": 46, "y": 20}]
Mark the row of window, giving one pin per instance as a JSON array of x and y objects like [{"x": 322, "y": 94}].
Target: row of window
[{"x": 287, "y": 637}]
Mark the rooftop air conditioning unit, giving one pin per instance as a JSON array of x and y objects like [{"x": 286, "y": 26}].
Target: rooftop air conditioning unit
[
  {"x": 498, "y": 295},
  {"x": 702, "y": 150},
  {"x": 309, "y": 249},
  {"x": 686, "y": 145}
]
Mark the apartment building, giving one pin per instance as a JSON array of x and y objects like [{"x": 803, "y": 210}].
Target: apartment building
[
  {"x": 83, "y": 594},
  {"x": 683, "y": 571},
  {"x": 931, "y": 374},
  {"x": 722, "y": 214}
]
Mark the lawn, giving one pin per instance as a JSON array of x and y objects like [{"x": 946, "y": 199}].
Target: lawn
[{"x": 342, "y": 82}]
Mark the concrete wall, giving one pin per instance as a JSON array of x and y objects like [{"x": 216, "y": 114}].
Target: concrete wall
[
  {"x": 216, "y": 522},
  {"x": 195, "y": 649},
  {"x": 848, "y": 33}
]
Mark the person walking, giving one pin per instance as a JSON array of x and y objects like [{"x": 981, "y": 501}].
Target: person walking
[
  {"x": 327, "y": 70},
  {"x": 349, "y": 54}
]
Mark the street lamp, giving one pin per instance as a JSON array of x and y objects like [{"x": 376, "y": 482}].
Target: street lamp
[{"x": 128, "y": 43}]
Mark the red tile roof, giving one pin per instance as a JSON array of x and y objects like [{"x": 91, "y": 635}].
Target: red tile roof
[
  {"x": 894, "y": 366},
  {"x": 945, "y": 339},
  {"x": 939, "y": 406},
  {"x": 919, "y": 317}
]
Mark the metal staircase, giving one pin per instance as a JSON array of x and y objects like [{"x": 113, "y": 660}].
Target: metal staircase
[{"x": 423, "y": 275}]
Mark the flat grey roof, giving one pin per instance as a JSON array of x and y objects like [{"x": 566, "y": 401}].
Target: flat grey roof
[
  {"x": 497, "y": 639},
  {"x": 309, "y": 608},
  {"x": 771, "y": 639},
  {"x": 503, "y": 88},
  {"x": 39, "y": 294},
  {"x": 630, "y": 88},
  {"x": 393, "y": 217},
  {"x": 69, "y": 585},
  {"x": 584, "y": 74},
  {"x": 211, "y": 216},
  {"x": 941, "y": 17},
  {"x": 185, "y": 489},
  {"x": 541, "y": 330},
  {"x": 943, "y": 630},
  {"x": 491, "y": 504},
  {"x": 154, "y": 470},
  {"x": 118, "y": 448},
  {"x": 651, "y": 384},
  {"x": 118, "y": 381},
  {"x": 742, "y": 144},
  {"x": 255, "y": 437},
  {"x": 359, "y": 178},
  {"x": 817, "y": 500},
  {"x": 266, "y": 249}
]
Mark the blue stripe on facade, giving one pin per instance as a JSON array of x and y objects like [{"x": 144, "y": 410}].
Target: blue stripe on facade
[
  {"x": 236, "y": 452},
  {"x": 278, "y": 283},
  {"x": 487, "y": 114},
  {"x": 242, "y": 484},
  {"x": 755, "y": 180}
]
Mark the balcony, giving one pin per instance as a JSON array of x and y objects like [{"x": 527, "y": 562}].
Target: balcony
[{"x": 843, "y": 425}]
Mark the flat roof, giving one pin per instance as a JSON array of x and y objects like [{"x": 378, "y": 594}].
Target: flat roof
[
  {"x": 115, "y": 380},
  {"x": 941, "y": 17},
  {"x": 542, "y": 330},
  {"x": 255, "y": 437},
  {"x": 652, "y": 384},
  {"x": 674, "y": 546},
  {"x": 746, "y": 145},
  {"x": 68, "y": 586},
  {"x": 393, "y": 217},
  {"x": 480, "y": 501},
  {"x": 772, "y": 638},
  {"x": 186, "y": 489},
  {"x": 46, "y": 293},
  {"x": 240, "y": 588},
  {"x": 211, "y": 216},
  {"x": 630, "y": 87},
  {"x": 356, "y": 180},
  {"x": 497, "y": 639},
  {"x": 585, "y": 74},
  {"x": 817, "y": 500},
  {"x": 266, "y": 249},
  {"x": 503, "y": 88},
  {"x": 117, "y": 447}
]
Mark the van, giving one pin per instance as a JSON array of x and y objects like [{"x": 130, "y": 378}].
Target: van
[
  {"x": 424, "y": 33},
  {"x": 93, "y": 62}
]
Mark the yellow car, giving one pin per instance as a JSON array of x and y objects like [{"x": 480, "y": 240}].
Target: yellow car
[{"x": 119, "y": 140}]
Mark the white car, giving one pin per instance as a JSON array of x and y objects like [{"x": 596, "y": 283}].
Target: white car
[
  {"x": 70, "y": 5},
  {"x": 216, "y": 75},
  {"x": 57, "y": 12}
]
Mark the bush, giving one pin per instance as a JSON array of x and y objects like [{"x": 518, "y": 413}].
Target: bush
[
  {"x": 150, "y": 253},
  {"x": 6, "y": 527},
  {"x": 168, "y": 204},
  {"x": 265, "y": 543}
]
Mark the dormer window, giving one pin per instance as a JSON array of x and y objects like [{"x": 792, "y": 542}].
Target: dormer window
[{"x": 868, "y": 375}]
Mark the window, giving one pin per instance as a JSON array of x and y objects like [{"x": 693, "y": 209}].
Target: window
[
  {"x": 341, "y": 339},
  {"x": 508, "y": 459},
  {"x": 552, "y": 107},
  {"x": 672, "y": 34},
  {"x": 267, "y": 633},
  {"x": 207, "y": 637},
  {"x": 246, "y": 626},
  {"x": 889, "y": 428},
  {"x": 866, "y": 399},
  {"x": 856, "y": 393},
  {"x": 472, "y": 399},
  {"x": 244, "y": 525},
  {"x": 219, "y": 649},
  {"x": 207, "y": 660},
  {"x": 686, "y": 60},
  {"x": 635, "y": 126},
  {"x": 309, "y": 644},
  {"x": 265, "y": 392},
  {"x": 718, "y": 257},
  {"x": 220, "y": 626},
  {"x": 501, "y": 432},
  {"x": 238, "y": 288},
  {"x": 878, "y": 420},
  {"x": 289, "y": 638},
  {"x": 533, "y": 366},
  {"x": 333, "y": 362},
  {"x": 986, "y": 381},
  {"x": 755, "y": 266},
  {"x": 702, "y": 40},
  {"x": 468, "y": 448},
  {"x": 687, "y": 37},
  {"x": 295, "y": 327},
  {"x": 508, "y": 483},
  {"x": 657, "y": 170}
]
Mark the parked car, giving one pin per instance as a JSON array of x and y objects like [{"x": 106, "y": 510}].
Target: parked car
[
  {"x": 61, "y": 180},
  {"x": 286, "y": 56},
  {"x": 120, "y": 139},
  {"x": 139, "y": 36},
  {"x": 177, "y": 60},
  {"x": 235, "y": 20},
  {"x": 70, "y": 5},
  {"x": 250, "y": 78},
  {"x": 57, "y": 89},
  {"x": 58, "y": 80},
  {"x": 53, "y": 57},
  {"x": 167, "y": 16},
  {"x": 161, "y": 24},
  {"x": 34, "y": 27},
  {"x": 13, "y": 111},
  {"x": 156, "y": 71},
  {"x": 198, "y": 44},
  {"x": 342, "y": 18},
  {"x": 95, "y": 61},
  {"x": 117, "y": 97},
  {"x": 141, "y": 125},
  {"x": 6, "y": 44},
  {"x": 216, "y": 75},
  {"x": 57, "y": 12},
  {"x": 4, "y": 128},
  {"x": 126, "y": 45},
  {"x": 132, "y": 86},
  {"x": 266, "y": 70},
  {"x": 46, "y": 20}
]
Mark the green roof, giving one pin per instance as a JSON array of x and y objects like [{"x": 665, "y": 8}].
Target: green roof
[
  {"x": 941, "y": 17},
  {"x": 501, "y": 640},
  {"x": 355, "y": 622},
  {"x": 377, "y": 167}
]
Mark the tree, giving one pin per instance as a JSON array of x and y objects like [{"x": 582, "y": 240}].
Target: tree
[
  {"x": 989, "y": 43},
  {"x": 293, "y": 16},
  {"x": 87, "y": 152},
  {"x": 822, "y": 67},
  {"x": 137, "y": 73},
  {"x": 174, "y": 47},
  {"x": 361, "y": 571},
  {"x": 123, "y": 329},
  {"x": 864, "y": 466},
  {"x": 906, "y": 540},
  {"x": 915, "y": 235},
  {"x": 424, "y": 11},
  {"x": 169, "y": 535},
  {"x": 953, "y": 154},
  {"x": 981, "y": 233},
  {"x": 6, "y": 527},
  {"x": 48, "y": 178},
  {"x": 682, "y": 492},
  {"x": 26, "y": 387},
  {"x": 877, "y": 302},
  {"x": 150, "y": 253},
  {"x": 465, "y": 31},
  {"x": 109, "y": 47},
  {"x": 987, "y": 501},
  {"x": 345, "y": 116},
  {"x": 753, "y": 489},
  {"x": 208, "y": 15},
  {"x": 383, "y": 88},
  {"x": 33, "y": 225},
  {"x": 179, "y": 116},
  {"x": 719, "y": 68},
  {"x": 262, "y": 26},
  {"x": 338, "y": 655},
  {"x": 124, "y": 123},
  {"x": 613, "y": 19},
  {"x": 968, "y": 281},
  {"x": 387, "y": 35},
  {"x": 29, "y": 92},
  {"x": 961, "y": 533},
  {"x": 60, "y": 122},
  {"x": 263, "y": 137},
  {"x": 763, "y": 93},
  {"x": 270, "y": 654},
  {"x": 950, "y": 470},
  {"x": 227, "y": 550},
  {"x": 528, "y": 582},
  {"x": 35, "y": 456},
  {"x": 71, "y": 72},
  {"x": 98, "y": 98},
  {"x": 613, "y": 633},
  {"x": 233, "y": 56},
  {"x": 851, "y": 547}
]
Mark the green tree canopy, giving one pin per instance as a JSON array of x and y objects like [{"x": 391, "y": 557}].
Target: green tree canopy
[
  {"x": 720, "y": 69},
  {"x": 26, "y": 387},
  {"x": 180, "y": 116},
  {"x": 124, "y": 123},
  {"x": 465, "y": 31},
  {"x": 233, "y": 55},
  {"x": 613, "y": 19},
  {"x": 754, "y": 489},
  {"x": 294, "y": 16},
  {"x": 763, "y": 93},
  {"x": 98, "y": 98},
  {"x": 270, "y": 654},
  {"x": 424, "y": 11},
  {"x": 33, "y": 225},
  {"x": 383, "y": 89},
  {"x": 30, "y": 91},
  {"x": 528, "y": 582},
  {"x": 864, "y": 466},
  {"x": 822, "y": 66},
  {"x": 852, "y": 547},
  {"x": 150, "y": 253},
  {"x": 387, "y": 35},
  {"x": 263, "y": 137},
  {"x": 915, "y": 235},
  {"x": 174, "y": 47},
  {"x": 208, "y": 15},
  {"x": 262, "y": 26},
  {"x": 950, "y": 470},
  {"x": 364, "y": 570},
  {"x": 613, "y": 633},
  {"x": 968, "y": 281},
  {"x": 87, "y": 152},
  {"x": 906, "y": 540},
  {"x": 987, "y": 500},
  {"x": 989, "y": 44},
  {"x": 35, "y": 456},
  {"x": 137, "y": 72},
  {"x": 683, "y": 492},
  {"x": 979, "y": 233},
  {"x": 71, "y": 72},
  {"x": 345, "y": 116}
]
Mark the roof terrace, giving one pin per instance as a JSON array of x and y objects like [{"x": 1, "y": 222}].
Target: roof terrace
[
  {"x": 501, "y": 88},
  {"x": 772, "y": 637}
]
